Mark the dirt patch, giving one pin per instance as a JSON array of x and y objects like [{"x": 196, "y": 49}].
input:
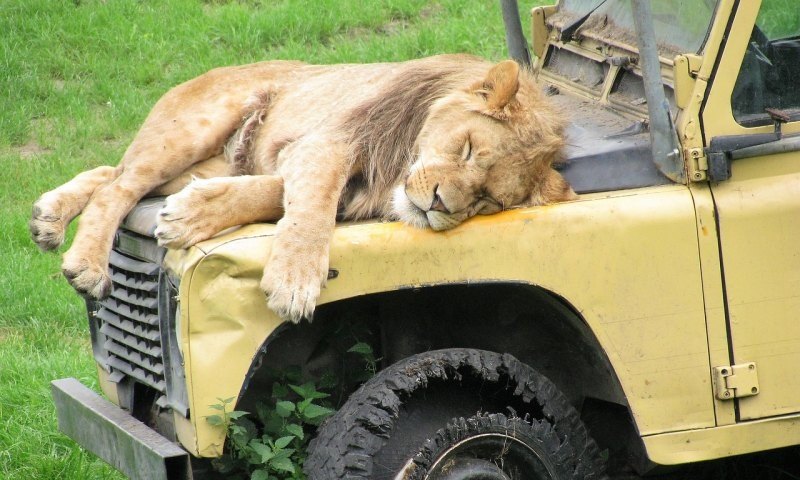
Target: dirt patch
[
  {"x": 430, "y": 11},
  {"x": 396, "y": 25},
  {"x": 32, "y": 149},
  {"x": 7, "y": 334}
]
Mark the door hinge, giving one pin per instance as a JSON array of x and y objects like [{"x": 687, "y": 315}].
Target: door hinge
[
  {"x": 736, "y": 381},
  {"x": 698, "y": 164}
]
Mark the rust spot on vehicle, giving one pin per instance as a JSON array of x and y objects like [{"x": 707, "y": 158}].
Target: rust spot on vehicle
[{"x": 704, "y": 229}]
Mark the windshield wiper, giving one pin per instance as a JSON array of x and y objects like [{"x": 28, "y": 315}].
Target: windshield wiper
[
  {"x": 568, "y": 32},
  {"x": 724, "y": 149}
]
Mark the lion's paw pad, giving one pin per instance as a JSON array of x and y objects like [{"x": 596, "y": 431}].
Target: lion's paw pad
[
  {"x": 89, "y": 280},
  {"x": 291, "y": 300},
  {"x": 46, "y": 225}
]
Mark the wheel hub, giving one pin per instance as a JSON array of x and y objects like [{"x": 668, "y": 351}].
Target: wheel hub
[
  {"x": 491, "y": 456},
  {"x": 465, "y": 468}
]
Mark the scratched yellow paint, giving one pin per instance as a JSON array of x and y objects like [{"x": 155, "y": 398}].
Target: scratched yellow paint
[{"x": 636, "y": 280}]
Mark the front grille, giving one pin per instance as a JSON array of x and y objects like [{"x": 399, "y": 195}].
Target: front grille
[
  {"x": 135, "y": 330},
  {"x": 127, "y": 326}
]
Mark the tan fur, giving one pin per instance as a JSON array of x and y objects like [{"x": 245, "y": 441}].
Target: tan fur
[{"x": 431, "y": 142}]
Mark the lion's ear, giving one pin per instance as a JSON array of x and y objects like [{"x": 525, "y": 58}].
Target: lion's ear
[{"x": 499, "y": 87}]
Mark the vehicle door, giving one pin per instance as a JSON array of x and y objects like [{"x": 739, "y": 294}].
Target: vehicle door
[{"x": 758, "y": 206}]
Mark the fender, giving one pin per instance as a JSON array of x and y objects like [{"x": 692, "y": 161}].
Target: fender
[{"x": 625, "y": 260}]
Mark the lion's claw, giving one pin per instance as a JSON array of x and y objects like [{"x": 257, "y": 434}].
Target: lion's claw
[
  {"x": 292, "y": 302},
  {"x": 185, "y": 218},
  {"x": 46, "y": 226},
  {"x": 293, "y": 284},
  {"x": 89, "y": 280}
]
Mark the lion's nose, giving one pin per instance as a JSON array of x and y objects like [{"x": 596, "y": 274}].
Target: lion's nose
[{"x": 438, "y": 205}]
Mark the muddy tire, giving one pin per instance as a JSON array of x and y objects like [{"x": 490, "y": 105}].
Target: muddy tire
[{"x": 412, "y": 414}]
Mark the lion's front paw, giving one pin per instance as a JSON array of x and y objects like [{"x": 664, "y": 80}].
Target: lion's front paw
[
  {"x": 88, "y": 279},
  {"x": 189, "y": 216},
  {"x": 293, "y": 286},
  {"x": 47, "y": 224}
]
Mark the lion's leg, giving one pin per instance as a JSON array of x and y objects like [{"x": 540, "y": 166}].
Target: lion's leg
[
  {"x": 53, "y": 211},
  {"x": 206, "y": 207},
  {"x": 314, "y": 174},
  {"x": 217, "y": 166},
  {"x": 188, "y": 125}
]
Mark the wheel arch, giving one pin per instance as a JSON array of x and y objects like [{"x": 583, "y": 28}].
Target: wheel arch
[{"x": 535, "y": 325}]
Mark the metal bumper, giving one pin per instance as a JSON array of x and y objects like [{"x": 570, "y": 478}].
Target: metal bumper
[{"x": 114, "y": 435}]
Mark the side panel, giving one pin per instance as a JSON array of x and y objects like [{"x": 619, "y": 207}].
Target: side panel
[
  {"x": 628, "y": 262},
  {"x": 759, "y": 217},
  {"x": 758, "y": 210}
]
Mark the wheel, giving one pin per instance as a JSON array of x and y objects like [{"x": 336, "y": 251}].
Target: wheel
[
  {"x": 491, "y": 447},
  {"x": 421, "y": 419}
]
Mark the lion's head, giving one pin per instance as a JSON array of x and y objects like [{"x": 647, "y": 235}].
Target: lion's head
[{"x": 482, "y": 149}]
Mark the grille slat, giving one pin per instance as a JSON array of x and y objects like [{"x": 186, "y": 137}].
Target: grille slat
[
  {"x": 125, "y": 310},
  {"x": 133, "y": 298},
  {"x": 133, "y": 357},
  {"x": 129, "y": 322},
  {"x": 132, "y": 282},
  {"x": 129, "y": 264},
  {"x": 129, "y": 326},
  {"x": 147, "y": 348},
  {"x": 137, "y": 373}
]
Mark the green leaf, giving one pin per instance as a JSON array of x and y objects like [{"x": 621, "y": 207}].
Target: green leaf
[
  {"x": 295, "y": 430},
  {"x": 279, "y": 390},
  {"x": 284, "y": 453},
  {"x": 283, "y": 442},
  {"x": 260, "y": 475},
  {"x": 273, "y": 424},
  {"x": 218, "y": 406},
  {"x": 361, "y": 348},
  {"x": 314, "y": 411},
  {"x": 237, "y": 414},
  {"x": 214, "y": 420},
  {"x": 226, "y": 400},
  {"x": 301, "y": 406},
  {"x": 282, "y": 465},
  {"x": 285, "y": 408},
  {"x": 293, "y": 373},
  {"x": 308, "y": 391},
  {"x": 263, "y": 450},
  {"x": 304, "y": 389}
]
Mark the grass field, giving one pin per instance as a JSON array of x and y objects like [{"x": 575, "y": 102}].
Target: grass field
[{"x": 77, "y": 78}]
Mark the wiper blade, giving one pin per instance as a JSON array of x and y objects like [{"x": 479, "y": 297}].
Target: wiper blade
[
  {"x": 568, "y": 32},
  {"x": 726, "y": 148}
]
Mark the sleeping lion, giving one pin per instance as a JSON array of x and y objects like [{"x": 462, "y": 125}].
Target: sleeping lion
[{"x": 430, "y": 142}]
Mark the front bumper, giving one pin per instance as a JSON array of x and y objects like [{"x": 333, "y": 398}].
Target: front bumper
[{"x": 116, "y": 436}]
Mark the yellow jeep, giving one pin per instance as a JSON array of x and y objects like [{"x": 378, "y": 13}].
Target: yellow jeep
[{"x": 654, "y": 321}]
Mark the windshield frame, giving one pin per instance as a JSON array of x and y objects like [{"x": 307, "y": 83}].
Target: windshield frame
[{"x": 611, "y": 22}]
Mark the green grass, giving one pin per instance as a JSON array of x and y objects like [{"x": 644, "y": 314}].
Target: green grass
[{"x": 76, "y": 80}]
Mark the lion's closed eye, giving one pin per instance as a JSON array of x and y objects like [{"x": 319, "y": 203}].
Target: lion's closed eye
[{"x": 466, "y": 150}]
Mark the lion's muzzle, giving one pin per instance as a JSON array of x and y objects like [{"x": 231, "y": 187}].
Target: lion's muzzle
[{"x": 441, "y": 202}]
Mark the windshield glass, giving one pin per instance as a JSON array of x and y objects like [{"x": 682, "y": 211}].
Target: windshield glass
[
  {"x": 681, "y": 25},
  {"x": 767, "y": 79}
]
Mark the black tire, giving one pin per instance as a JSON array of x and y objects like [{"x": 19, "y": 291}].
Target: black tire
[
  {"x": 496, "y": 447},
  {"x": 401, "y": 415}
]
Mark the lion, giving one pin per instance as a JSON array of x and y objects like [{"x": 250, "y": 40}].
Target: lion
[{"x": 430, "y": 142}]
